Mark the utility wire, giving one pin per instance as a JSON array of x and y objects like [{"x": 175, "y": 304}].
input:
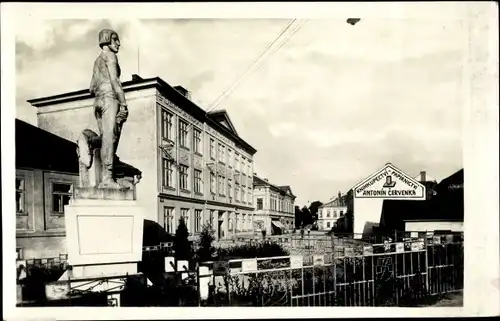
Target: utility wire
[
  {"x": 272, "y": 52},
  {"x": 235, "y": 83}
]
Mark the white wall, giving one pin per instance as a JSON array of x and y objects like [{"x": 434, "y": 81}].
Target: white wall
[
  {"x": 367, "y": 213},
  {"x": 434, "y": 226}
]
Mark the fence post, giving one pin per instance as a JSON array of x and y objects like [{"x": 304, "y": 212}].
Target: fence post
[{"x": 426, "y": 264}]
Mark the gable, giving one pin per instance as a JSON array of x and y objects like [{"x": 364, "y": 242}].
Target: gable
[
  {"x": 390, "y": 183},
  {"x": 222, "y": 118}
]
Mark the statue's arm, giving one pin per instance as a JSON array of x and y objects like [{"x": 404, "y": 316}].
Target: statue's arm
[{"x": 112, "y": 64}]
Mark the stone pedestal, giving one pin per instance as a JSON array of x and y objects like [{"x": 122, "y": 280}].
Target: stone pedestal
[
  {"x": 104, "y": 230},
  {"x": 103, "y": 227}
]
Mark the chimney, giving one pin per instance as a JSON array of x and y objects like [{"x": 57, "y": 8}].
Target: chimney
[
  {"x": 422, "y": 176},
  {"x": 136, "y": 77},
  {"x": 265, "y": 179},
  {"x": 183, "y": 91},
  {"x": 340, "y": 194}
]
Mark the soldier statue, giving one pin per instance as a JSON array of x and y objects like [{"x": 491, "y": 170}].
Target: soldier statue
[{"x": 111, "y": 112}]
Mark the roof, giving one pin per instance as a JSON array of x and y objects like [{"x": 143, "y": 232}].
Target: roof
[
  {"x": 216, "y": 119},
  {"x": 447, "y": 206},
  {"x": 257, "y": 181},
  {"x": 39, "y": 149},
  {"x": 337, "y": 202}
]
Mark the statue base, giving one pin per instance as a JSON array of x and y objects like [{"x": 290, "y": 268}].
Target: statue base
[{"x": 103, "y": 231}]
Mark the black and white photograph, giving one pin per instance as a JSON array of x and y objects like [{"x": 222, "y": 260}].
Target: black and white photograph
[{"x": 217, "y": 161}]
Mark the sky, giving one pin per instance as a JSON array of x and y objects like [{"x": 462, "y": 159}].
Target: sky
[{"x": 330, "y": 107}]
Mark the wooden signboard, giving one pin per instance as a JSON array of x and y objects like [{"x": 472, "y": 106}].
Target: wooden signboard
[{"x": 249, "y": 265}]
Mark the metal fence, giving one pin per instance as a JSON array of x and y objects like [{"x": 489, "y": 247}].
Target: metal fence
[{"x": 398, "y": 274}]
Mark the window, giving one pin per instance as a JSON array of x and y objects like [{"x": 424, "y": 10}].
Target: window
[
  {"x": 242, "y": 165},
  {"x": 229, "y": 188},
  {"x": 236, "y": 161},
  {"x": 243, "y": 198},
  {"x": 249, "y": 197},
  {"x": 20, "y": 196},
  {"x": 168, "y": 173},
  {"x": 334, "y": 214},
  {"x": 341, "y": 213},
  {"x": 185, "y": 216},
  {"x": 230, "y": 159},
  {"x": 183, "y": 134},
  {"x": 168, "y": 212},
  {"x": 212, "y": 216},
  {"x": 198, "y": 182},
  {"x": 61, "y": 194},
  {"x": 260, "y": 203},
  {"x": 197, "y": 141},
  {"x": 328, "y": 224},
  {"x": 197, "y": 221},
  {"x": 167, "y": 124},
  {"x": 212, "y": 149},
  {"x": 222, "y": 154},
  {"x": 237, "y": 193},
  {"x": 212, "y": 183},
  {"x": 328, "y": 213},
  {"x": 220, "y": 184},
  {"x": 183, "y": 177}
]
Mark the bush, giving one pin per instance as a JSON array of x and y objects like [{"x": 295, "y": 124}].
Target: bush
[
  {"x": 249, "y": 251},
  {"x": 182, "y": 247}
]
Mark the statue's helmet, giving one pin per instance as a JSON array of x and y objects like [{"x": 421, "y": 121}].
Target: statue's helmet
[{"x": 105, "y": 37}]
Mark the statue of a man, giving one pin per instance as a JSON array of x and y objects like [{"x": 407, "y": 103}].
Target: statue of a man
[{"x": 110, "y": 107}]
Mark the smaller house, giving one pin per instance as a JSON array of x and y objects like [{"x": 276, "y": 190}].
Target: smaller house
[
  {"x": 330, "y": 212},
  {"x": 274, "y": 206},
  {"x": 46, "y": 171}
]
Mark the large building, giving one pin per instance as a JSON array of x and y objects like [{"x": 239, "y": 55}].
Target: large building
[
  {"x": 274, "y": 206},
  {"x": 330, "y": 212},
  {"x": 194, "y": 164}
]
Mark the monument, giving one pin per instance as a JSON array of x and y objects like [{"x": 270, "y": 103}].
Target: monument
[{"x": 104, "y": 224}]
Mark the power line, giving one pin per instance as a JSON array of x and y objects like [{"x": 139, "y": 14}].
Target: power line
[
  {"x": 269, "y": 46},
  {"x": 216, "y": 101},
  {"x": 274, "y": 50},
  {"x": 284, "y": 41}
]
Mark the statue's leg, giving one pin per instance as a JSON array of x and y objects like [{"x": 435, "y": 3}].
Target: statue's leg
[{"x": 108, "y": 123}]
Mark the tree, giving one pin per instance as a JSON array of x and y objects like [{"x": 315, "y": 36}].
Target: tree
[
  {"x": 298, "y": 217},
  {"x": 306, "y": 216},
  {"x": 205, "y": 247},
  {"x": 182, "y": 247},
  {"x": 313, "y": 209}
]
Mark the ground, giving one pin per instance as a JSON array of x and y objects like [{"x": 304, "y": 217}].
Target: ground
[{"x": 449, "y": 300}]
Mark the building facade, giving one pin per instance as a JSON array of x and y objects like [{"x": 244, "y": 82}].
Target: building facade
[
  {"x": 330, "y": 212},
  {"x": 194, "y": 165},
  {"x": 46, "y": 171},
  {"x": 274, "y": 206}
]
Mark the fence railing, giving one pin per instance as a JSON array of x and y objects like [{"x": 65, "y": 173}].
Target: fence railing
[
  {"x": 401, "y": 274},
  {"x": 352, "y": 274}
]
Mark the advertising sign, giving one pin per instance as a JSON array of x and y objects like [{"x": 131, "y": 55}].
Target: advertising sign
[
  {"x": 400, "y": 247},
  {"x": 368, "y": 250},
  {"x": 319, "y": 260},
  {"x": 249, "y": 265},
  {"x": 417, "y": 246},
  {"x": 221, "y": 268},
  {"x": 389, "y": 183},
  {"x": 296, "y": 262}
]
